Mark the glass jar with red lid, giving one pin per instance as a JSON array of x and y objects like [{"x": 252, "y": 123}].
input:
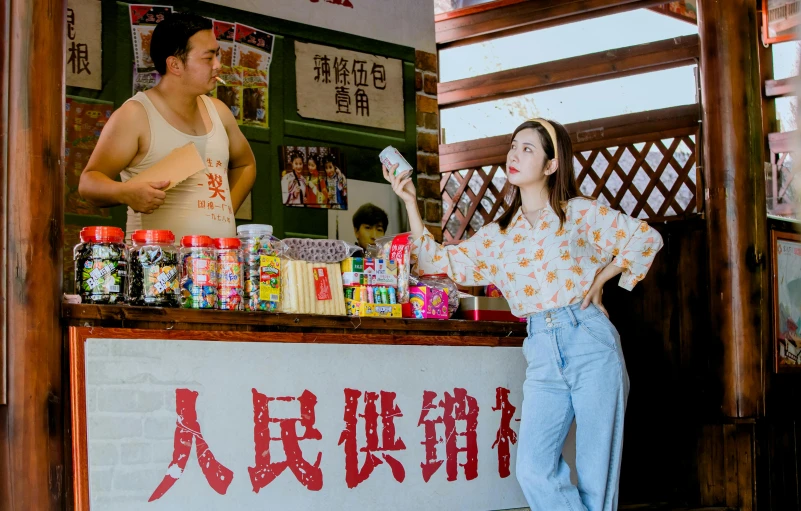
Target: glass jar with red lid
[
  {"x": 229, "y": 274},
  {"x": 198, "y": 273},
  {"x": 155, "y": 269},
  {"x": 101, "y": 266}
]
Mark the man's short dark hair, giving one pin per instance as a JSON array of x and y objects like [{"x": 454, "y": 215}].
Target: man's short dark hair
[
  {"x": 370, "y": 214},
  {"x": 171, "y": 37}
]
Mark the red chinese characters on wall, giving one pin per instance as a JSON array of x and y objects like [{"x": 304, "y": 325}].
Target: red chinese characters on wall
[
  {"x": 187, "y": 431},
  {"x": 505, "y": 435},
  {"x": 451, "y": 420},
  {"x": 459, "y": 407},
  {"x": 265, "y": 471},
  {"x": 388, "y": 443}
]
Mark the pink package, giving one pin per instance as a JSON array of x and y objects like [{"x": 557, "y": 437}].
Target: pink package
[{"x": 426, "y": 303}]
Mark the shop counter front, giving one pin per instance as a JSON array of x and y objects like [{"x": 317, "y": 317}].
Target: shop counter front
[{"x": 205, "y": 410}]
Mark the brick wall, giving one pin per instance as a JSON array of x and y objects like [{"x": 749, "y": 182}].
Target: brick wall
[
  {"x": 429, "y": 192},
  {"x": 133, "y": 420}
]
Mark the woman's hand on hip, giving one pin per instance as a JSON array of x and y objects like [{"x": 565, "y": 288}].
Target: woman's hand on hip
[{"x": 594, "y": 296}]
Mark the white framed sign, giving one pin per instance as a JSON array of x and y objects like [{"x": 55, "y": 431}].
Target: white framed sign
[
  {"x": 349, "y": 86},
  {"x": 244, "y": 421},
  {"x": 84, "y": 65}
]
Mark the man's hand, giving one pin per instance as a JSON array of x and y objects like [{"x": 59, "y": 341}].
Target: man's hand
[{"x": 144, "y": 197}]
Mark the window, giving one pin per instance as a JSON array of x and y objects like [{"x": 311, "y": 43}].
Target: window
[
  {"x": 631, "y": 94},
  {"x": 561, "y": 42}
]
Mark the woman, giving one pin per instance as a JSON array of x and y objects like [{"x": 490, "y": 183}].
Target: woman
[{"x": 550, "y": 254}]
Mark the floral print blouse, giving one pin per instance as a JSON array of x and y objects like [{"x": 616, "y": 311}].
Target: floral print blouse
[{"x": 543, "y": 266}]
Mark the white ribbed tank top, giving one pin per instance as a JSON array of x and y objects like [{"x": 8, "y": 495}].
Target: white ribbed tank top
[{"x": 200, "y": 204}]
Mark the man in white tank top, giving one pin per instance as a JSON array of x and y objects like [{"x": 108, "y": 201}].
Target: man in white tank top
[{"x": 152, "y": 124}]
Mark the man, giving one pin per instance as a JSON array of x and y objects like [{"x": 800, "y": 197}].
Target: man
[
  {"x": 369, "y": 223},
  {"x": 153, "y": 123}
]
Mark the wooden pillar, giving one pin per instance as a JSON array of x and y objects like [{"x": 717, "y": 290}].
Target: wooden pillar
[
  {"x": 32, "y": 451},
  {"x": 735, "y": 199}
]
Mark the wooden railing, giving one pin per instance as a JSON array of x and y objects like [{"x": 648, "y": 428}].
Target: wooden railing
[{"x": 643, "y": 164}]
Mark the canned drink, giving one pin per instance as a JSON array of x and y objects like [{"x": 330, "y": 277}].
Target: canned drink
[{"x": 390, "y": 156}]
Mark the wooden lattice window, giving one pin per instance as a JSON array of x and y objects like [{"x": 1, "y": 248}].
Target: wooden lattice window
[{"x": 646, "y": 175}]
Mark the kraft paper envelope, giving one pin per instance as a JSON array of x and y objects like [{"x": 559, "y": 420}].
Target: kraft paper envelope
[{"x": 177, "y": 166}]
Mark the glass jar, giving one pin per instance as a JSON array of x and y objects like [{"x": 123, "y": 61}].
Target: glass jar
[
  {"x": 261, "y": 253},
  {"x": 229, "y": 274},
  {"x": 198, "y": 273},
  {"x": 154, "y": 269},
  {"x": 101, "y": 266}
]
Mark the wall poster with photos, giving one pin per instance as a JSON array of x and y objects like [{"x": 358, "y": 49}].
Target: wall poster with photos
[
  {"x": 313, "y": 177},
  {"x": 786, "y": 276}
]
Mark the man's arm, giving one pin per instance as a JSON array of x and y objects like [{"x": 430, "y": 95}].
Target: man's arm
[
  {"x": 241, "y": 162},
  {"x": 116, "y": 148}
]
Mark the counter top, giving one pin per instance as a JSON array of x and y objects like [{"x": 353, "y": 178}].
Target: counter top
[{"x": 303, "y": 328}]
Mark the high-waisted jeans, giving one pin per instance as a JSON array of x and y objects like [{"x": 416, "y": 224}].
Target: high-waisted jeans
[{"x": 575, "y": 370}]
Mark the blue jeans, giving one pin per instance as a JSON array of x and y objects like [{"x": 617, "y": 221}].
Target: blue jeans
[{"x": 575, "y": 370}]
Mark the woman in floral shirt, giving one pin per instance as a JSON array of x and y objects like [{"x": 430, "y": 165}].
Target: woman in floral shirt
[{"x": 550, "y": 254}]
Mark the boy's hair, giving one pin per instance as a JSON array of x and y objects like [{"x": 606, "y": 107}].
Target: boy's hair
[
  {"x": 171, "y": 37},
  {"x": 370, "y": 214}
]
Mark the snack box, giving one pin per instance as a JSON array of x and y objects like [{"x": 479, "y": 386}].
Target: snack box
[
  {"x": 374, "y": 310},
  {"x": 426, "y": 303},
  {"x": 371, "y": 266},
  {"x": 351, "y": 279}
]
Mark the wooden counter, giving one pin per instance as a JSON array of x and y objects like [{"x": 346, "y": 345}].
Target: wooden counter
[
  {"x": 134, "y": 370},
  {"x": 300, "y": 327}
]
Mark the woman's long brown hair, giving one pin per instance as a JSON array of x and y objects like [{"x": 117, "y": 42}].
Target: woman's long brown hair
[{"x": 562, "y": 184}]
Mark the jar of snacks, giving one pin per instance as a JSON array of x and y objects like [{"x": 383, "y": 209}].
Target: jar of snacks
[
  {"x": 229, "y": 274},
  {"x": 154, "y": 269},
  {"x": 198, "y": 273},
  {"x": 101, "y": 266},
  {"x": 262, "y": 267}
]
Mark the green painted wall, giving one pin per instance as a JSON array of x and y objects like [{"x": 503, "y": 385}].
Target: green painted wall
[{"x": 360, "y": 145}]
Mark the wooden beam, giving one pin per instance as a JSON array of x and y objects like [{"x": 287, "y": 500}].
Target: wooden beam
[
  {"x": 623, "y": 129},
  {"x": 779, "y": 88},
  {"x": 783, "y": 142},
  {"x": 4, "y": 63},
  {"x": 508, "y": 18},
  {"x": 32, "y": 457},
  {"x": 735, "y": 203},
  {"x": 663, "y": 10},
  {"x": 605, "y": 65}
]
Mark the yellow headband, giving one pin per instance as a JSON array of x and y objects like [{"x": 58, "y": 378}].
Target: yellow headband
[{"x": 551, "y": 131}]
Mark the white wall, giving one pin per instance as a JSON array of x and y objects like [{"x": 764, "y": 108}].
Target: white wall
[{"x": 404, "y": 22}]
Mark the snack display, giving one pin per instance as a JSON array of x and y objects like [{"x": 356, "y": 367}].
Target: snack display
[
  {"x": 442, "y": 282},
  {"x": 229, "y": 274},
  {"x": 262, "y": 254},
  {"x": 396, "y": 248},
  {"x": 319, "y": 251},
  {"x": 154, "y": 269},
  {"x": 198, "y": 273},
  {"x": 312, "y": 288},
  {"x": 101, "y": 266},
  {"x": 257, "y": 272},
  {"x": 426, "y": 303},
  {"x": 371, "y": 287}
]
